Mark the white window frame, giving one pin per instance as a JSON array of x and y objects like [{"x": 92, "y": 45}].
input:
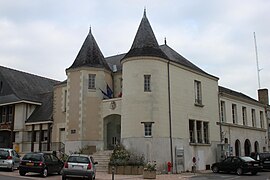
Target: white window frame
[
  {"x": 222, "y": 111},
  {"x": 253, "y": 117},
  {"x": 234, "y": 113},
  {"x": 148, "y": 129},
  {"x": 262, "y": 119},
  {"x": 198, "y": 92},
  {"x": 244, "y": 115}
]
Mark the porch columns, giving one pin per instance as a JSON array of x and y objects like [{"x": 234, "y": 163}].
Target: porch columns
[{"x": 33, "y": 138}]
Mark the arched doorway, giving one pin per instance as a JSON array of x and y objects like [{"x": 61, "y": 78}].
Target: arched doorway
[
  {"x": 237, "y": 148},
  {"x": 247, "y": 147},
  {"x": 112, "y": 131},
  {"x": 256, "y": 146}
]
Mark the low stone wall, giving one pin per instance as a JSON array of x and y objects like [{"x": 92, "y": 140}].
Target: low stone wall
[{"x": 126, "y": 170}]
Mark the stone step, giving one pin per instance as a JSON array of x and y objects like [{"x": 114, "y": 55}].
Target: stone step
[{"x": 103, "y": 159}]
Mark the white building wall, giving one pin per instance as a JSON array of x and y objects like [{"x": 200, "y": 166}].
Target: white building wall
[
  {"x": 139, "y": 106},
  {"x": 240, "y": 132}
]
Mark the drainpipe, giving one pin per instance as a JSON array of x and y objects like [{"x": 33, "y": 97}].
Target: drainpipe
[
  {"x": 220, "y": 126},
  {"x": 170, "y": 115}
]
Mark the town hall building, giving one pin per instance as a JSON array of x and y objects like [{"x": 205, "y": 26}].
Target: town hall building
[{"x": 151, "y": 99}]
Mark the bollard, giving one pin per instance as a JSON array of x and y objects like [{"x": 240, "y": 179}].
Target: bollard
[{"x": 113, "y": 173}]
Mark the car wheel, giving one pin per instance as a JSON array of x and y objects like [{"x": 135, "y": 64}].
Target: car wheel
[
  {"x": 90, "y": 177},
  {"x": 254, "y": 172},
  {"x": 12, "y": 168},
  {"x": 239, "y": 171},
  {"x": 22, "y": 173},
  {"x": 60, "y": 171},
  {"x": 215, "y": 169},
  {"x": 44, "y": 172}
]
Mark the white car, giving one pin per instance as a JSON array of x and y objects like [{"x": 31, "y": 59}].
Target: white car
[
  {"x": 79, "y": 165},
  {"x": 9, "y": 159}
]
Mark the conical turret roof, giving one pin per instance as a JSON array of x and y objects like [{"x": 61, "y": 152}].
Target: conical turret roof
[
  {"x": 90, "y": 55},
  {"x": 145, "y": 43}
]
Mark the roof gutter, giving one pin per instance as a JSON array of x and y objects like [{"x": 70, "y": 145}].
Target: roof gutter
[{"x": 21, "y": 101}]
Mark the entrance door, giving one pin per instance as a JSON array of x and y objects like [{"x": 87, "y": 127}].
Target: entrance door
[{"x": 112, "y": 131}]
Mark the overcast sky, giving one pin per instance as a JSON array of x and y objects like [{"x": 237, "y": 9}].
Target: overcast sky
[{"x": 43, "y": 37}]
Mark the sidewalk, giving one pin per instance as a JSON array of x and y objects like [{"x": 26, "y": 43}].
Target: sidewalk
[{"x": 182, "y": 176}]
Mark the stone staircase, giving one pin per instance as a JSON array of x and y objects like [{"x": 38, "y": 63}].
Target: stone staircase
[{"x": 103, "y": 158}]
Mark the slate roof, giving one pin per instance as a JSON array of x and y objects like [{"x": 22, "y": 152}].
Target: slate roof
[
  {"x": 90, "y": 55},
  {"x": 236, "y": 94},
  {"x": 19, "y": 86},
  {"x": 43, "y": 112},
  {"x": 145, "y": 43},
  {"x": 168, "y": 51}
]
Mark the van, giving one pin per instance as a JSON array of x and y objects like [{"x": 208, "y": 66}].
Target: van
[{"x": 263, "y": 157}]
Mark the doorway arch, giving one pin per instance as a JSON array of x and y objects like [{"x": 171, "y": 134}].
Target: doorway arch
[
  {"x": 112, "y": 131},
  {"x": 237, "y": 148},
  {"x": 247, "y": 147}
]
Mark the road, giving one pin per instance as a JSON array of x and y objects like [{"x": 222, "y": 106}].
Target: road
[{"x": 208, "y": 175}]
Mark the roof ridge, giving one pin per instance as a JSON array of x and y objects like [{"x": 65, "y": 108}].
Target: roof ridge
[{"x": 28, "y": 73}]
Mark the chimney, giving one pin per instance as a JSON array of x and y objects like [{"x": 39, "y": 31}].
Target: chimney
[{"x": 263, "y": 96}]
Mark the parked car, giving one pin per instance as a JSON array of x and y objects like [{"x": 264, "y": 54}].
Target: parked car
[
  {"x": 263, "y": 158},
  {"x": 240, "y": 165},
  {"x": 9, "y": 159},
  {"x": 79, "y": 165},
  {"x": 42, "y": 163}
]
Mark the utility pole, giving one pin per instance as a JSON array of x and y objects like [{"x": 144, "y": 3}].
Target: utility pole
[{"x": 257, "y": 61}]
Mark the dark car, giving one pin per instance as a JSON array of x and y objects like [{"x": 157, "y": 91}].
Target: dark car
[
  {"x": 240, "y": 165},
  {"x": 42, "y": 163},
  {"x": 79, "y": 165},
  {"x": 263, "y": 158}
]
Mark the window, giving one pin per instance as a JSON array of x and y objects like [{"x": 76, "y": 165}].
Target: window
[
  {"x": 10, "y": 114},
  {"x": 261, "y": 119},
  {"x": 205, "y": 132},
  {"x": 3, "y": 114},
  {"x": 244, "y": 115},
  {"x": 234, "y": 114},
  {"x": 198, "y": 92},
  {"x": 198, "y": 132},
  {"x": 92, "y": 81},
  {"x": 147, "y": 129},
  {"x": 65, "y": 101},
  {"x": 147, "y": 83},
  {"x": 6, "y": 114},
  {"x": 222, "y": 111},
  {"x": 253, "y": 117},
  {"x": 191, "y": 131},
  {"x": 36, "y": 136},
  {"x": 44, "y": 136}
]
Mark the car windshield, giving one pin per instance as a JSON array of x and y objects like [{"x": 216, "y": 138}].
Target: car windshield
[
  {"x": 3, "y": 154},
  {"x": 78, "y": 159},
  {"x": 246, "y": 159},
  {"x": 33, "y": 157}
]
